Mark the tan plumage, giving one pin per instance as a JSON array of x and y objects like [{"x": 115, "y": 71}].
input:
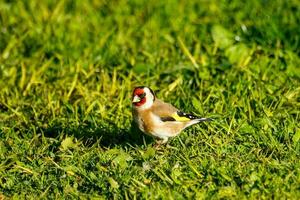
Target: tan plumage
[{"x": 157, "y": 118}]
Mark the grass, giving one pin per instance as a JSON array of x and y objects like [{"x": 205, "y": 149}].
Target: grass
[{"x": 67, "y": 72}]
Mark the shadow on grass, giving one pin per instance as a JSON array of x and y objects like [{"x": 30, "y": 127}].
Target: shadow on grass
[{"x": 107, "y": 136}]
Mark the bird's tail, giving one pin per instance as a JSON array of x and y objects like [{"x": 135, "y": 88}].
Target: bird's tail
[
  {"x": 204, "y": 119},
  {"x": 198, "y": 120}
]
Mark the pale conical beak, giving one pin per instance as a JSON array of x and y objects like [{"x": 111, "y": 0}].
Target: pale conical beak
[{"x": 136, "y": 99}]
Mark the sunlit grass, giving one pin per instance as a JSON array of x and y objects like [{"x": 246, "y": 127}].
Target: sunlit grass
[{"x": 67, "y": 70}]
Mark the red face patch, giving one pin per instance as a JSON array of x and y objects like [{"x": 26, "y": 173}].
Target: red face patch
[
  {"x": 139, "y": 92},
  {"x": 142, "y": 101}
]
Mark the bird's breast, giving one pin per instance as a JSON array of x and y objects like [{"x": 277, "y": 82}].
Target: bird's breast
[
  {"x": 146, "y": 121},
  {"x": 140, "y": 122}
]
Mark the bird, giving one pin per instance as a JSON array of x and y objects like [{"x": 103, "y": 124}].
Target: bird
[{"x": 157, "y": 118}]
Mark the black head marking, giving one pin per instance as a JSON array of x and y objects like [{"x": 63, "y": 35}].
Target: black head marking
[{"x": 152, "y": 94}]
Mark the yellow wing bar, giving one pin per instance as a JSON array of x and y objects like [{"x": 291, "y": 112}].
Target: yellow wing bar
[{"x": 183, "y": 117}]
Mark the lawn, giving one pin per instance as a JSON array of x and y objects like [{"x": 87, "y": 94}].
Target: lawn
[{"x": 67, "y": 70}]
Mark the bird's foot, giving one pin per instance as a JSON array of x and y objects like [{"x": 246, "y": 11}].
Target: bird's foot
[{"x": 160, "y": 143}]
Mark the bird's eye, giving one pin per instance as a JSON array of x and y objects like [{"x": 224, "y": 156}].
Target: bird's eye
[{"x": 142, "y": 95}]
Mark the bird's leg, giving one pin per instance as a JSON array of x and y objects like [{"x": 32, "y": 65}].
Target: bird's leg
[{"x": 161, "y": 142}]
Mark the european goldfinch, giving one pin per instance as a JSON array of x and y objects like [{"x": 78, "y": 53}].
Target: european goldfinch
[{"x": 157, "y": 118}]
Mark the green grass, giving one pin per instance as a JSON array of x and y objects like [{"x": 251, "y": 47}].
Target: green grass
[{"x": 67, "y": 69}]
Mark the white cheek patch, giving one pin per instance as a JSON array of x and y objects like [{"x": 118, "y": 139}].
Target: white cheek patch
[{"x": 146, "y": 105}]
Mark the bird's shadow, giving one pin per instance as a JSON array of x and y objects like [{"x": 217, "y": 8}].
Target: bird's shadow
[{"x": 107, "y": 136}]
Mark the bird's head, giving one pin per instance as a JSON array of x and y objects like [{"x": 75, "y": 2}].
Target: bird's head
[{"x": 142, "y": 97}]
